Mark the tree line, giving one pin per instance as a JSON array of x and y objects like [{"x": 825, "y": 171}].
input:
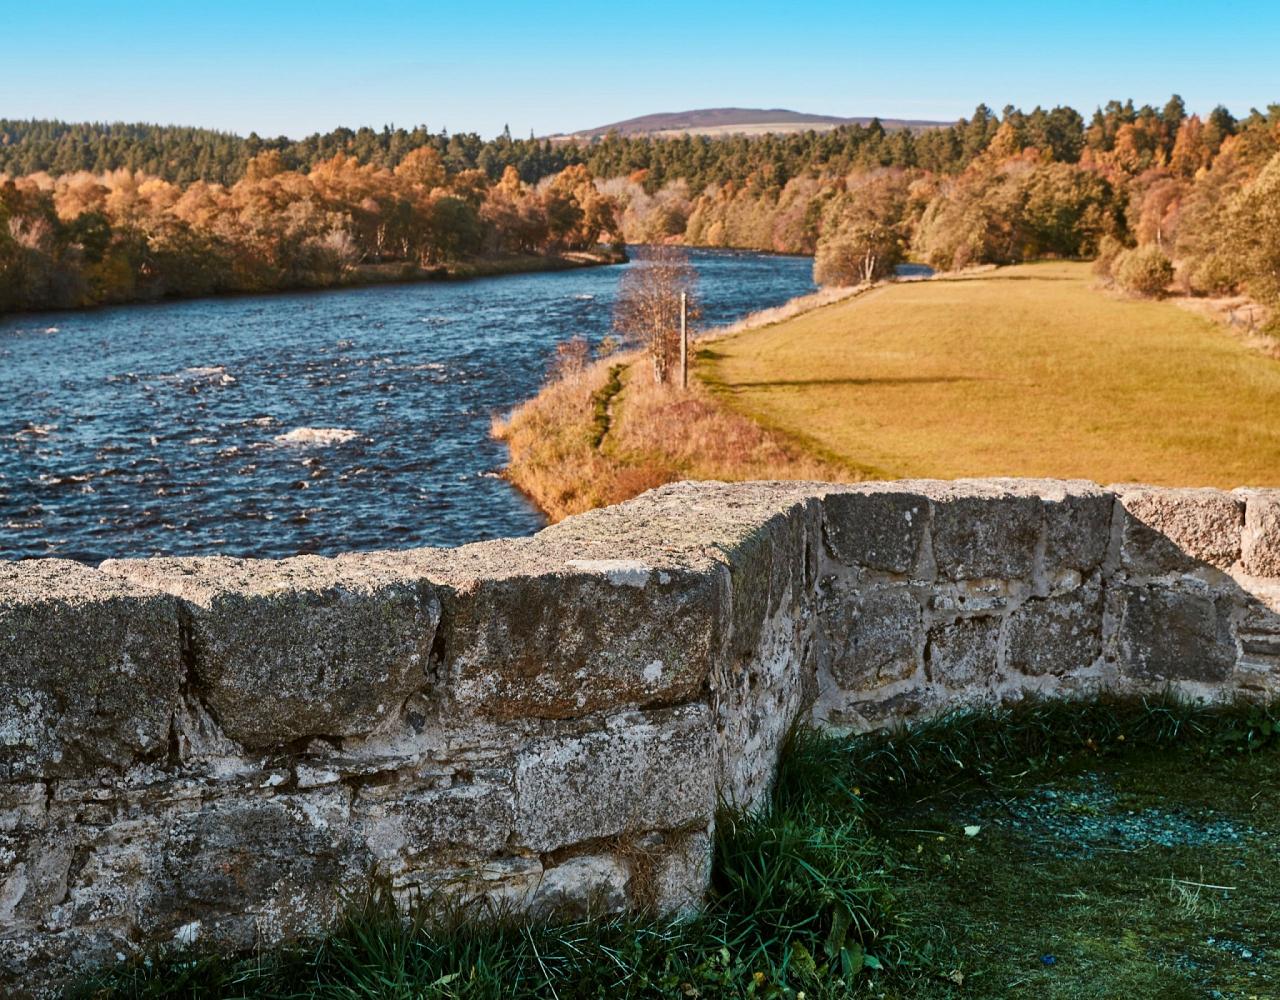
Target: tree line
[
  {"x": 1156, "y": 196},
  {"x": 111, "y": 212},
  {"x": 123, "y": 235},
  {"x": 182, "y": 155}
]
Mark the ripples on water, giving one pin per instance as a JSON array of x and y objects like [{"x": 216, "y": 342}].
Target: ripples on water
[{"x": 313, "y": 422}]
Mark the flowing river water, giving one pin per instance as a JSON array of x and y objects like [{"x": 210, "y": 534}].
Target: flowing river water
[{"x": 311, "y": 422}]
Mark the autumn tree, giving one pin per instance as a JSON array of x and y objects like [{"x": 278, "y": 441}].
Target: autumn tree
[
  {"x": 975, "y": 219},
  {"x": 514, "y": 216},
  {"x": 1253, "y": 236},
  {"x": 577, "y": 212},
  {"x": 1144, "y": 271},
  {"x": 865, "y": 233},
  {"x": 1191, "y": 150},
  {"x": 422, "y": 168},
  {"x": 1155, "y": 203},
  {"x": 452, "y": 230},
  {"x": 647, "y": 311}
]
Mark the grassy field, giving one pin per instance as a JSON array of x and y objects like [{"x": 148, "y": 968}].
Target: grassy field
[
  {"x": 1112, "y": 877},
  {"x": 1023, "y": 371}
]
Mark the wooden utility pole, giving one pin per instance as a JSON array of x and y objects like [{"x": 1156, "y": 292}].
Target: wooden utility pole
[{"x": 684, "y": 340}]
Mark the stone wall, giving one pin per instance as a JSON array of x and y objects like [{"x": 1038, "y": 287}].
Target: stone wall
[{"x": 224, "y": 750}]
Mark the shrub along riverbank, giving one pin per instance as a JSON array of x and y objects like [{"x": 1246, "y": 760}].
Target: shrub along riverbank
[
  {"x": 363, "y": 275},
  {"x": 1057, "y": 847}
]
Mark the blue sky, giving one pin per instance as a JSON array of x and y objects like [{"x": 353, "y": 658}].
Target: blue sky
[{"x": 282, "y": 67}]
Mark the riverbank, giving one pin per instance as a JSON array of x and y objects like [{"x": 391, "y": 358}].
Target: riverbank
[
  {"x": 489, "y": 267},
  {"x": 609, "y": 433},
  {"x": 396, "y": 273},
  {"x": 1018, "y": 371}
]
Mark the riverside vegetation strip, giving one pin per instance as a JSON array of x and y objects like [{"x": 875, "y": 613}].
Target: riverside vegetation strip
[
  {"x": 1049, "y": 850},
  {"x": 1022, "y": 371},
  {"x": 609, "y": 434}
]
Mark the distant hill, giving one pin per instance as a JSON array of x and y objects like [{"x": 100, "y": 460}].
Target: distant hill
[{"x": 735, "y": 121}]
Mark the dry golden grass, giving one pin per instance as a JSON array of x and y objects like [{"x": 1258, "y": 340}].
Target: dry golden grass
[
  {"x": 549, "y": 438},
  {"x": 1024, "y": 371},
  {"x": 657, "y": 434},
  {"x": 693, "y": 437}
]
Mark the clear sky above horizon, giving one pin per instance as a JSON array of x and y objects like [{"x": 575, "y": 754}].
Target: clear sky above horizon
[{"x": 284, "y": 67}]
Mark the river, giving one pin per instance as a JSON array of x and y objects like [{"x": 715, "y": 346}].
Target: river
[{"x": 311, "y": 422}]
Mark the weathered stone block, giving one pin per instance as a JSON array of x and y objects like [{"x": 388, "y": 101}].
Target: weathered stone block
[
  {"x": 766, "y": 576},
  {"x": 873, "y": 638},
  {"x": 878, "y": 711},
  {"x": 34, "y": 966},
  {"x": 588, "y": 885},
  {"x": 680, "y": 874},
  {"x": 99, "y": 866},
  {"x": 572, "y": 637},
  {"x": 621, "y": 605},
  {"x": 650, "y": 771},
  {"x": 1175, "y": 530},
  {"x": 1258, "y": 669},
  {"x": 1257, "y": 621},
  {"x": 1056, "y": 635},
  {"x": 964, "y": 652},
  {"x": 985, "y": 533},
  {"x": 22, "y": 805},
  {"x": 797, "y": 558},
  {"x": 1167, "y": 635},
  {"x": 875, "y": 529},
  {"x": 1077, "y": 520},
  {"x": 1260, "y": 542},
  {"x": 969, "y": 597},
  {"x": 281, "y": 650},
  {"x": 496, "y": 886},
  {"x": 462, "y": 819},
  {"x": 754, "y": 701},
  {"x": 792, "y": 526},
  {"x": 90, "y": 670},
  {"x": 34, "y": 862},
  {"x": 242, "y": 871}
]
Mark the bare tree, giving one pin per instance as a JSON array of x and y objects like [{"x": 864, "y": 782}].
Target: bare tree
[
  {"x": 570, "y": 360},
  {"x": 647, "y": 313}
]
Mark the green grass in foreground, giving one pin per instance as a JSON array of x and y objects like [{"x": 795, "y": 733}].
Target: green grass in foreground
[
  {"x": 1056, "y": 850},
  {"x": 1022, "y": 371}
]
